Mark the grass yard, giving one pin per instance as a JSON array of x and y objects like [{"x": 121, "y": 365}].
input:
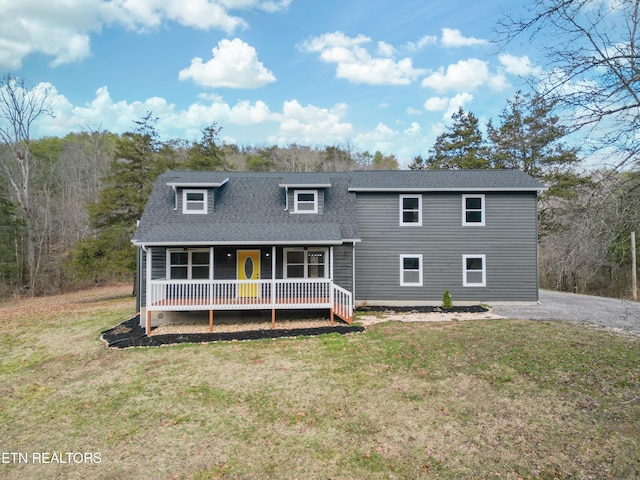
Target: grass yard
[{"x": 477, "y": 400}]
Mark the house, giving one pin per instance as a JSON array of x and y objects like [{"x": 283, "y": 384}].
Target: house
[{"x": 218, "y": 241}]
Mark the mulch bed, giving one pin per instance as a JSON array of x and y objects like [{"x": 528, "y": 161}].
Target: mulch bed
[{"x": 130, "y": 334}]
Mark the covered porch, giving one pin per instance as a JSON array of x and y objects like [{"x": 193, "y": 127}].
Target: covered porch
[{"x": 239, "y": 278}]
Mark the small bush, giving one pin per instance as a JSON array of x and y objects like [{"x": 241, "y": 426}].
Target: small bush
[{"x": 446, "y": 300}]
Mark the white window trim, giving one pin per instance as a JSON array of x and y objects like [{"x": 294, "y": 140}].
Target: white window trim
[
  {"x": 189, "y": 264},
  {"x": 464, "y": 210},
  {"x": 401, "y": 209},
  {"x": 402, "y": 270},
  {"x": 204, "y": 203},
  {"x": 295, "y": 201},
  {"x": 465, "y": 283},
  {"x": 306, "y": 261}
]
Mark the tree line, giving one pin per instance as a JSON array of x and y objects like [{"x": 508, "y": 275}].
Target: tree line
[{"x": 68, "y": 206}]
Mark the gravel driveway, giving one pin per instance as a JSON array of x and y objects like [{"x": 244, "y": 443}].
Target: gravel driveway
[{"x": 606, "y": 312}]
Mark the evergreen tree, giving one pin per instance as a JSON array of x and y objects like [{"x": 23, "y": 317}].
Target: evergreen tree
[
  {"x": 139, "y": 158},
  {"x": 461, "y": 146},
  {"x": 207, "y": 154},
  {"x": 529, "y": 138},
  {"x": 418, "y": 163}
]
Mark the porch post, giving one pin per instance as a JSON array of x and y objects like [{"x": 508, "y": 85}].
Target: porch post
[
  {"x": 210, "y": 320},
  {"x": 273, "y": 276},
  {"x": 148, "y": 300},
  {"x": 273, "y": 287},
  {"x": 331, "y": 294}
]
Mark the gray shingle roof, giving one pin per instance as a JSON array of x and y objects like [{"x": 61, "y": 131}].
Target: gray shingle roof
[
  {"x": 249, "y": 209},
  {"x": 446, "y": 180}
]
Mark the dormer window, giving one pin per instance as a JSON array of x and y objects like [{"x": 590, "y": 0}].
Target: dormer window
[
  {"x": 194, "y": 201},
  {"x": 305, "y": 201}
]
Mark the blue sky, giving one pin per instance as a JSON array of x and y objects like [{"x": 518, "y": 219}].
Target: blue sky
[{"x": 372, "y": 74}]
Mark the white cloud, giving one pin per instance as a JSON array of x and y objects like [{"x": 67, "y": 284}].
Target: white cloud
[
  {"x": 423, "y": 42},
  {"x": 466, "y": 75},
  {"x": 520, "y": 66},
  {"x": 436, "y": 104},
  {"x": 62, "y": 29},
  {"x": 234, "y": 64},
  {"x": 460, "y": 100},
  {"x": 355, "y": 63},
  {"x": 386, "y": 50},
  {"x": 414, "y": 129},
  {"x": 446, "y": 104},
  {"x": 453, "y": 38},
  {"x": 312, "y": 125}
]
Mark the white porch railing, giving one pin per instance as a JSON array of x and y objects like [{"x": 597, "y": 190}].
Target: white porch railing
[{"x": 165, "y": 295}]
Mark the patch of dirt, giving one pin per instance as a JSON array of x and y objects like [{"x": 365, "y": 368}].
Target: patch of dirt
[
  {"x": 424, "y": 314},
  {"x": 34, "y": 307},
  {"x": 241, "y": 326}
]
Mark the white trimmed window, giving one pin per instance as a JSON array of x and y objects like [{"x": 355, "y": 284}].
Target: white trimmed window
[
  {"x": 194, "y": 201},
  {"x": 188, "y": 264},
  {"x": 473, "y": 210},
  {"x": 411, "y": 210},
  {"x": 474, "y": 271},
  {"x": 305, "y": 201},
  {"x": 411, "y": 270},
  {"x": 310, "y": 263}
]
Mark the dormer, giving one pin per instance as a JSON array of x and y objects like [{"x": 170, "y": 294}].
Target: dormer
[
  {"x": 195, "y": 198},
  {"x": 305, "y": 198}
]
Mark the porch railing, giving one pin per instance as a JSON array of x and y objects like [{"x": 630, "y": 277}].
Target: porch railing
[{"x": 248, "y": 294}]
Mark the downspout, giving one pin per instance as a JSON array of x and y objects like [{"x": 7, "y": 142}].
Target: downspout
[
  {"x": 286, "y": 198},
  {"x": 175, "y": 194},
  {"x": 353, "y": 275}
]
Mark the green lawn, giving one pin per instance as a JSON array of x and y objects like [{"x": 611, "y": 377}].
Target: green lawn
[{"x": 478, "y": 400}]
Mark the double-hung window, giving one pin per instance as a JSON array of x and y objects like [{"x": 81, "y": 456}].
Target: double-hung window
[
  {"x": 194, "y": 201},
  {"x": 473, "y": 210},
  {"x": 411, "y": 210},
  {"x": 305, "y": 201},
  {"x": 474, "y": 270},
  {"x": 310, "y": 263},
  {"x": 411, "y": 270},
  {"x": 188, "y": 265}
]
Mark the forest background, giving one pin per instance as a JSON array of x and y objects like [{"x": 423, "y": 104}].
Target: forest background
[{"x": 69, "y": 206}]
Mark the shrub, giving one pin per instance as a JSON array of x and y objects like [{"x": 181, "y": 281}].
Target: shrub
[{"x": 446, "y": 300}]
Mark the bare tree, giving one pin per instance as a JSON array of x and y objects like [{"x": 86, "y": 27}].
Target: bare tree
[
  {"x": 20, "y": 107},
  {"x": 593, "y": 69}
]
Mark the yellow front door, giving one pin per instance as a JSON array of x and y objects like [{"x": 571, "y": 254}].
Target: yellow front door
[{"x": 248, "y": 268}]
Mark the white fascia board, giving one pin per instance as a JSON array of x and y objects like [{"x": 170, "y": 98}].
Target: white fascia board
[
  {"x": 234, "y": 243},
  {"x": 197, "y": 184},
  {"x": 305, "y": 185},
  {"x": 440, "y": 189}
]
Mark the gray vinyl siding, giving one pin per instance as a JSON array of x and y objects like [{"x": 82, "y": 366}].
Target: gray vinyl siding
[
  {"x": 509, "y": 242},
  {"x": 343, "y": 266}
]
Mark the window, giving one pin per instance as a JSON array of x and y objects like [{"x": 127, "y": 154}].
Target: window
[
  {"x": 188, "y": 265},
  {"x": 305, "y": 201},
  {"x": 411, "y": 270},
  {"x": 411, "y": 210},
  {"x": 474, "y": 271},
  {"x": 194, "y": 201},
  {"x": 473, "y": 210},
  {"x": 311, "y": 263}
]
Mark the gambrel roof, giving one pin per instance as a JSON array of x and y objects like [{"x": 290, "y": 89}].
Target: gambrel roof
[{"x": 251, "y": 208}]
